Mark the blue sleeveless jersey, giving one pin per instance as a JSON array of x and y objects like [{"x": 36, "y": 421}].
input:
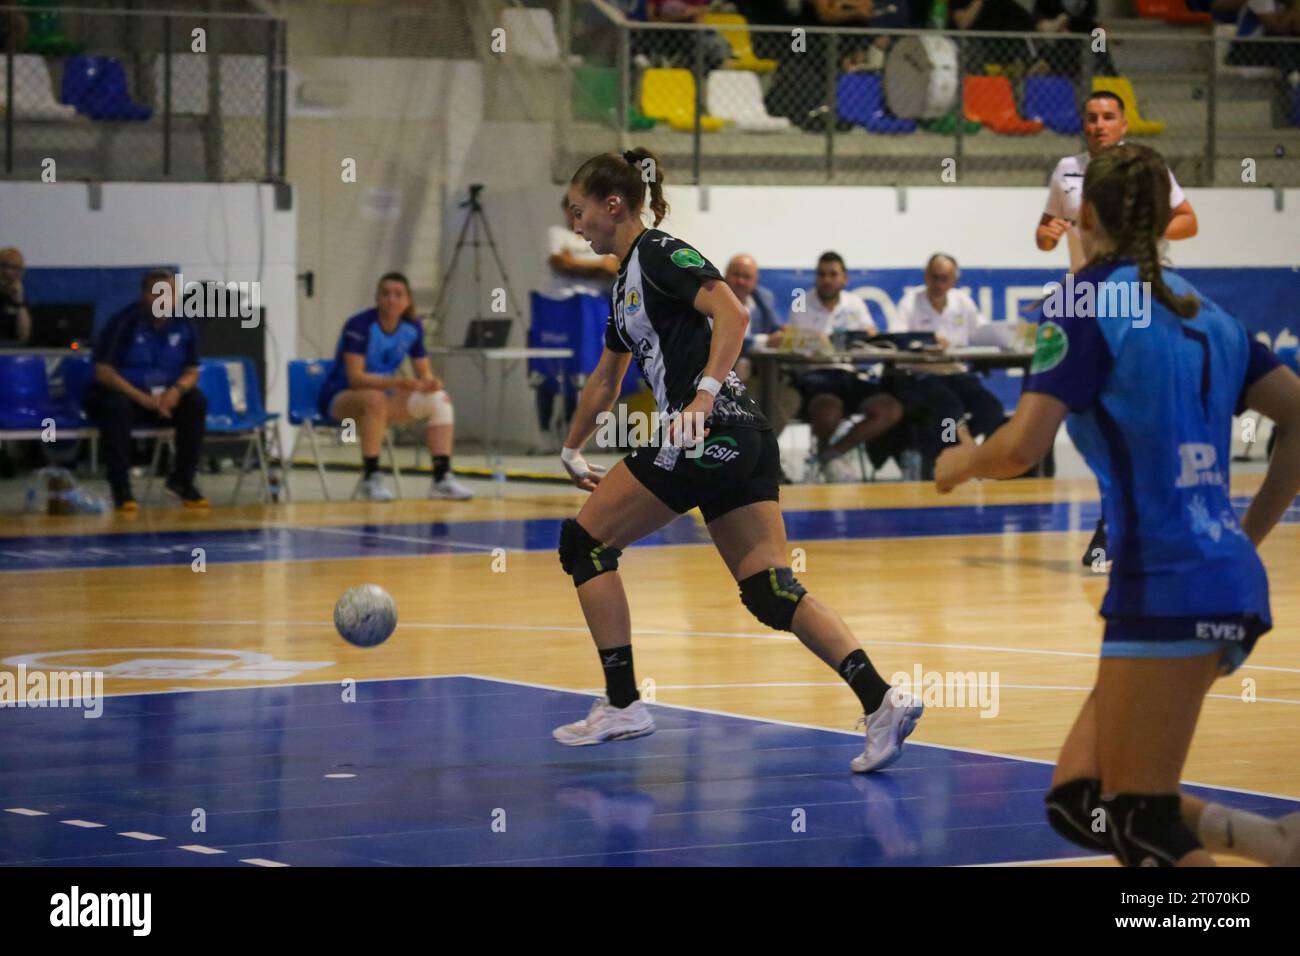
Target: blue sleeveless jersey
[{"x": 1152, "y": 398}]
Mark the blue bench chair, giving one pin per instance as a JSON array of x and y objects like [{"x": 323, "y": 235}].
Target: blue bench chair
[{"x": 255, "y": 423}]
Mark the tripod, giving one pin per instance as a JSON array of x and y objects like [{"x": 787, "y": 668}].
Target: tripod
[{"x": 473, "y": 219}]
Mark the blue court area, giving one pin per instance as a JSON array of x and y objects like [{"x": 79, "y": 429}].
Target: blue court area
[
  {"x": 462, "y": 771},
  {"x": 271, "y": 543}
]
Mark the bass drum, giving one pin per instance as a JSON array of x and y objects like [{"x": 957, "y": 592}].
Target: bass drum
[{"x": 921, "y": 77}]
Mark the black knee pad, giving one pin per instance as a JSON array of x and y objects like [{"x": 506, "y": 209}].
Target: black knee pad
[
  {"x": 1147, "y": 829},
  {"x": 771, "y": 596},
  {"x": 1072, "y": 811},
  {"x": 582, "y": 556}
]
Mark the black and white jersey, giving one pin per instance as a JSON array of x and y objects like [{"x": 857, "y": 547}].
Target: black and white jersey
[{"x": 653, "y": 316}]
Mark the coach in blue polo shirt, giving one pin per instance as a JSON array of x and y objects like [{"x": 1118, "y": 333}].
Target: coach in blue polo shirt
[{"x": 146, "y": 370}]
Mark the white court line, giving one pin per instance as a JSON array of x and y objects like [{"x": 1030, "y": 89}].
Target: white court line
[
  {"x": 197, "y": 848},
  {"x": 137, "y": 835},
  {"x": 1058, "y": 859},
  {"x": 577, "y": 629},
  {"x": 858, "y": 734},
  {"x": 84, "y": 824},
  {"x": 24, "y": 812},
  {"x": 391, "y": 537},
  {"x": 258, "y": 861}
]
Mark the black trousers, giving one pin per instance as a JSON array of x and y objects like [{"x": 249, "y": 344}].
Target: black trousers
[
  {"x": 941, "y": 397},
  {"x": 116, "y": 415}
]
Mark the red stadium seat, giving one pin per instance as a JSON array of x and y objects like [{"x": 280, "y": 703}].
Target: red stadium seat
[{"x": 991, "y": 101}]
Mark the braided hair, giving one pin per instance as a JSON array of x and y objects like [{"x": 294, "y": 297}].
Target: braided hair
[
  {"x": 1128, "y": 185},
  {"x": 636, "y": 175}
]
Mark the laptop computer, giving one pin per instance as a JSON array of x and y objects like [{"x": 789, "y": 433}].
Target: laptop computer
[
  {"x": 904, "y": 341},
  {"x": 487, "y": 333},
  {"x": 58, "y": 325}
]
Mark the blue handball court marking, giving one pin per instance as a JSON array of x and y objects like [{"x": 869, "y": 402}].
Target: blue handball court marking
[{"x": 463, "y": 771}]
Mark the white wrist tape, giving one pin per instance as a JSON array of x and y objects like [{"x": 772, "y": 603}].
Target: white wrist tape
[
  {"x": 435, "y": 406},
  {"x": 710, "y": 385}
]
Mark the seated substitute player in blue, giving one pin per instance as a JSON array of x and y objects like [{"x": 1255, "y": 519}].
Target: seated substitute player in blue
[
  {"x": 363, "y": 387},
  {"x": 1150, "y": 400},
  {"x": 673, "y": 313}
]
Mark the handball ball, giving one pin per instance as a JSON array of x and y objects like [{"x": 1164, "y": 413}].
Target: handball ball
[{"x": 365, "y": 615}]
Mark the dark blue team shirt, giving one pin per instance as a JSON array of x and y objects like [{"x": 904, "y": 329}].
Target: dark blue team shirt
[
  {"x": 1151, "y": 409},
  {"x": 146, "y": 357},
  {"x": 384, "y": 353}
]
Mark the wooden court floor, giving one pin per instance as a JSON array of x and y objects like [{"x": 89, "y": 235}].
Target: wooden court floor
[{"x": 1011, "y": 606}]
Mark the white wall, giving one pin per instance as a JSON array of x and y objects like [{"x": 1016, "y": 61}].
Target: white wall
[{"x": 226, "y": 231}]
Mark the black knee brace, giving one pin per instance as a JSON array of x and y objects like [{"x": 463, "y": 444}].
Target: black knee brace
[
  {"x": 771, "y": 596},
  {"x": 1147, "y": 829},
  {"x": 582, "y": 556},
  {"x": 1072, "y": 811}
]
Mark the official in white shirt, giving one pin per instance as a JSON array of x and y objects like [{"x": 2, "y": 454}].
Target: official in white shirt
[
  {"x": 942, "y": 396},
  {"x": 1104, "y": 126},
  {"x": 831, "y": 394},
  {"x": 573, "y": 266}
]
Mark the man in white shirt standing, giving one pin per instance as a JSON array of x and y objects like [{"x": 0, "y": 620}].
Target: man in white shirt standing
[
  {"x": 830, "y": 394},
  {"x": 1104, "y": 126},
  {"x": 948, "y": 393}
]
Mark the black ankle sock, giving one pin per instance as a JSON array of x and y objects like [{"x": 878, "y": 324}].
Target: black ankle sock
[
  {"x": 370, "y": 465},
  {"x": 863, "y": 680},
  {"x": 441, "y": 465},
  {"x": 620, "y": 679}
]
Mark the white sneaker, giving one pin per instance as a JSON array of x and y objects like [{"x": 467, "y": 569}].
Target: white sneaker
[
  {"x": 887, "y": 728},
  {"x": 374, "y": 489},
  {"x": 607, "y": 723},
  {"x": 450, "y": 489}
]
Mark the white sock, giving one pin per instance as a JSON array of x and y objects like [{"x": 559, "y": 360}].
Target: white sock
[{"x": 1245, "y": 834}]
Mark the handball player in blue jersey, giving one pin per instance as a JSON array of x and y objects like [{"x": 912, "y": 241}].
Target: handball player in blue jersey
[
  {"x": 364, "y": 387},
  {"x": 1150, "y": 398}
]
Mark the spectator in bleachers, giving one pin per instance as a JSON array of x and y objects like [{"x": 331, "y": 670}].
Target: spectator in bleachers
[
  {"x": 1271, "y": 18},
  {"x": 15, "y": 320},
  {"x": 1104, "y": 127},
  {"x": 363, "y": 387},
  {"x": 674, "y": 48},
  {"x": 947, "y": 393},
  {"x": 146, "y": 374},
  {"x": 575, "y": 269},
  {"x": 1063, "y": 56},
  {"x": 1014, "y": 55},
  {"x": 832, "y": 394}
]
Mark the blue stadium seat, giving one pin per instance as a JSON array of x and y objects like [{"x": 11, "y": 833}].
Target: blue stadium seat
[
  {"x": 225, "y": 419},
  {"x": 96, "y": 86},
  {"x": 306, "y": 378},
  {"x": 1288, "y": 357},
  {"x": 859, "y": 99},
  {"x": 1051, "y": 100}
]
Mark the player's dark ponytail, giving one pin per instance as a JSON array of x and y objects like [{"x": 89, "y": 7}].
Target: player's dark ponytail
[
  {"x": 1129, "y": 187},
  {"x": 636, "y": 175}
]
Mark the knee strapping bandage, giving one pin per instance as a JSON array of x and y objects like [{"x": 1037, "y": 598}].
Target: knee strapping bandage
[{"x": 435, "y": 406}]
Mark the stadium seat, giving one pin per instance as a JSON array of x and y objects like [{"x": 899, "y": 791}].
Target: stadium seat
[
  {"x": 530, "y": 34},
  {"x": 33, "y": 91},
  {"x": 595, "y": 98},
  {"x": 224, "y": 419},
  {"x": 25, "y": 400},
  {"x": 991, "y": 101},
  {"x": 45, "y": 30},
  {"x": 669, "y": 95},
  {"x": 96, "y": 86},
  {"x": 1289, "y": 355},
  {"x": 306, "y": 378},
  {"x": 1051, "y": 99},
  {"x": 1171, "y": 11},
  {"x": 737, "y": 97},
  {"x": 735, "y": 28},
  {"x": 1121, "y": 87},
  {"x": 860, "y": 99}
]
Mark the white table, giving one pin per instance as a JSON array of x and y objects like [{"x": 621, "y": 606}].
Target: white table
[{"x": 507, "y": 359}]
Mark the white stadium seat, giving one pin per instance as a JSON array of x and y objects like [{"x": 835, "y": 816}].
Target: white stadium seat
[
  {"x": 737, "y": 96},
  {"x": 35, "y": 91}
]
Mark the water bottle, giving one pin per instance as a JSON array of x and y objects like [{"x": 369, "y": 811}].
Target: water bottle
[
  {"x": 910, "y": 461},
  {"x": 498, "y": 478}
]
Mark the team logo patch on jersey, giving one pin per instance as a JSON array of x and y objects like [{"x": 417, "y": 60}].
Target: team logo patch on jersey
[
  {"x": 1049, "y": 348},
  {"x": 687, "y": 258},
  {"x": 633, "y": 305},
  {"x": 718, "y": 452}
]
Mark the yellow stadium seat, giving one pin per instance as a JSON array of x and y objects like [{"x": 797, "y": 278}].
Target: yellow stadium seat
[
  {"x": 1121, "y": 87},
  {"x": 669, "y": 95},
  {"x": 735, "y": 28}
]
